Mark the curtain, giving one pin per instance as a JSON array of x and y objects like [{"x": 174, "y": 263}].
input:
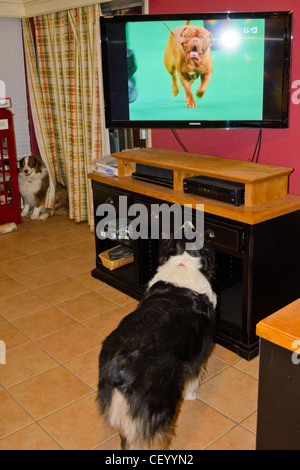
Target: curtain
[{"x": 62, "y": 52}]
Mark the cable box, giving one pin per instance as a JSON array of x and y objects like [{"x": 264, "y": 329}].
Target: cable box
[
  {"x": 215, "y": 188},
  {"x": 153, "y": 174}
]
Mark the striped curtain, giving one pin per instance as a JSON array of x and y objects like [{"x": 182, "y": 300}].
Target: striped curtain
[{"x": 62, "y": 52}]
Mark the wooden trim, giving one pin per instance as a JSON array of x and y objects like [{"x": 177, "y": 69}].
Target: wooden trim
[
  {"x": 249, "y": 215},
  {"x": 263, "y": 183},
  {"x": 263, "y": 191},
  {"x": 283, "y": 327},
  {"x": 125, "y": 168},
  {"x": 235, "y": 170}
]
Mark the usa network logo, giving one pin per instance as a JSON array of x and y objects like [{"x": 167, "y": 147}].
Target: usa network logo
[{"x": 248, "y": 30}]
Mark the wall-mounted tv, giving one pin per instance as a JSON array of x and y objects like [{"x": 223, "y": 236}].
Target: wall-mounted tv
[{"x": 209, "y": 70}]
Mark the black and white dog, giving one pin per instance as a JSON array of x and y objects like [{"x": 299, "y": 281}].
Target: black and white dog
[
  {"x": 33, "y": 184},
  {"x": 155, "y": 357}
]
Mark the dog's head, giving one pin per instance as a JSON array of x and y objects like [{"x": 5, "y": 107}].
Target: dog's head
[
  {"x": 195, "y": 42},
  {"x": 31, "y": 164},
  {"x": 177, "y": 245}
]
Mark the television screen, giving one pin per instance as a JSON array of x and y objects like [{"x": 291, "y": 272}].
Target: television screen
[{"x": 197, "y": 71}]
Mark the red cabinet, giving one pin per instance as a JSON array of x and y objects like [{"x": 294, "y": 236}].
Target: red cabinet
[{"x": 9, "y": 189}]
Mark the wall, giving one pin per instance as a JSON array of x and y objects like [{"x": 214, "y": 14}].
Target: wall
[
  {"x": 12, "y": 73},
  {"x": 279, "y": 147}
]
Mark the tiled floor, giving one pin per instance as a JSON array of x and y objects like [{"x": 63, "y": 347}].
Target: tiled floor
[{"x": 53, "y": 318}]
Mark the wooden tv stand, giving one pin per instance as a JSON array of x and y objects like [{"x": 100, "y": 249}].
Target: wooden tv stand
[{"x": 257, "y": 244}]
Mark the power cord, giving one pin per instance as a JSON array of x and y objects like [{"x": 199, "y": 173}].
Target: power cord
[
  {"x": 256, "y": 152},
  {"x": 179, "y": 140}
]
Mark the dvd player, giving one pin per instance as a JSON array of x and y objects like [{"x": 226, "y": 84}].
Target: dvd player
[
  {"x": 215, "y": 188},
  {"x": 153, "y": 174}
]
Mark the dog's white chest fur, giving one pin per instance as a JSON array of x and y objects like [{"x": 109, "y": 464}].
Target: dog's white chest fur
[
  {"x": 183, "y": 271},
  {"x": 30, "y": 185}
]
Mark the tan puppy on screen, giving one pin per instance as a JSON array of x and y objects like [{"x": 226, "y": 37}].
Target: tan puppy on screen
[{"x": 188, "y": 54}]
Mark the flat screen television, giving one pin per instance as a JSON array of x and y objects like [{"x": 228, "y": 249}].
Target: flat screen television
[{"x": 212, "y": 70}]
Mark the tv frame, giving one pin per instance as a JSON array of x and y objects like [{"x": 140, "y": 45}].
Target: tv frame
[{"x": 283, "y": 122}]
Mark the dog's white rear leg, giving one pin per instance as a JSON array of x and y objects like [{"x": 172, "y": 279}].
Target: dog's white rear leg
[
  {"x": 190, "y": 392},
  {"x": 25, "y": 210}
]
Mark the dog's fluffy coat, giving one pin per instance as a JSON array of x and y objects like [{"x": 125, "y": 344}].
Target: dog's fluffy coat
[
  {"x": 33, "y": 184},
  {"x": 154, "y": 358}
]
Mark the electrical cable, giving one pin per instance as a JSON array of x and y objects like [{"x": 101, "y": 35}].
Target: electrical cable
[
  {"x": 179, "y": 140},
  {"x": 256, "y": 152}
]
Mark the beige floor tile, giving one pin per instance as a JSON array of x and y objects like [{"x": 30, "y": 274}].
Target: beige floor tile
[
  {"x": 22, "y": 236},
  {"x": 30, "y": 438},
  {"x": 24, "y": 362},
  {"x": 43, "y": 323},
  {"x": 116, "y": 295},
  {"x": 214, "y": 366},
  {"x": 28, "y": 225},
  {"x": 65, "y": 222},
  {"x": 3, "y": 245},
  {"x": 10, "y": 287},
  {"x": 40, "y": 277},
  {"x": 61, "y": 291},
  {"x": 49, "y": 392},
  {"x": 84, "y": 247},
  {"x": 56, "y": 255},
  {"x": 11, "y": 253},
  {"x": 236, "y": 439},
  {"x": 87, "y": 306},
  {"x": 231, "y": 392},
  {"x": 250, "y": 367},
  {"x": 11, "y": 336},
  {"x": 250, "y": 423},
  {"x": 4, "y": 276},
  {"x": 224, "y": 354},
  {"x": 12, "y": 416},
  {"x": 87, "y": 280},
  {"x": 105, "y": 323},
  {"x": 131, "y": 306},
  {"x": 86, "y": 367},
  {"x": 21, "y": 265},
  {"x": 75, "y": 266},
  {"x": 70, "y": 343},
  {"x": 78, "y": 426},
  {"x": 50, "y": 229},
  {"x": 111, "y": 444},
  {"x": 198, "y": 426},
  {"x": 70, "y": 237},
  {"x": 21, "y": 304},
  {"x": 37, "y": 246},
  {"x": 83, "y": 227}
]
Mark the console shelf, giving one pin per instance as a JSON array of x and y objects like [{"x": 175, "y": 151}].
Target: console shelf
[
  {"x": 257, "y": 244},
  {"x": 263, "y": 183}
]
